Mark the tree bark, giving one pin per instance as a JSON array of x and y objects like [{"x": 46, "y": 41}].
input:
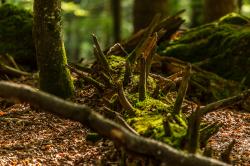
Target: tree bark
[
  {"x": 197, "y": 12},
  {"x": 214, "y": 9},
  {"x": 54, "y": 77},
  {"x": 145, "y": 10},
  {"x": 105, "y": 127},
  {"x": 116, "y": 14}
]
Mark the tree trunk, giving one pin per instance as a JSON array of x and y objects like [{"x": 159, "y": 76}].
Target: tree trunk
[
  {"x": 197, "y": 13},
  {"x": 116, "y": 14},
  {"x": 54, "y": 77},
  {"x": 145, "y": 10},
  {"x": 214, "y": 9},
  {"x": 240, "y": 4}
]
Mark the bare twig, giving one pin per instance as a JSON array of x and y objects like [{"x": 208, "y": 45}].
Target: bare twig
[
  {"x": 118, "y": 117},
  {"x": 88, "y": 79}
]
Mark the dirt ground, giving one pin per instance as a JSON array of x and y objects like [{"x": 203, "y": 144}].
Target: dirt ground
[{"x": 29, "y": 136}]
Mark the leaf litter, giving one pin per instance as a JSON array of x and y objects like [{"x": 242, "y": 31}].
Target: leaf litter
[{"x": 29, "y": 136}]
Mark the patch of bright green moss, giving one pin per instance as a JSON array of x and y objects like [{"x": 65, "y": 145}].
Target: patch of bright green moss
[
  {"x": 234, "y": 18},
  {"x": 148, "y": 121},
  {"x": 146, "y": 124},
  {"x": 151, "y": 105}
]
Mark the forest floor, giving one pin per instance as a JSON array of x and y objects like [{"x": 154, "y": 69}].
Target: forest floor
[{"x": 29, "y": 136}]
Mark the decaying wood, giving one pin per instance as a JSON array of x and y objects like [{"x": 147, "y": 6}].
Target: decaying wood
[
  {"x": 165, "y": 29},
  {"x": 101, "y": 57},
  {"x": 86, "y": 78},
  {"x": 118, "y": 117},
  {"x": 104, "y": 127},
  {"x": 123, "y": 99},
  {"x": 225, "y": 156},
  {"x": 225, "y": 102},
  {"x": 193, "y": 133},
  {"x": 182, "y": 90}
]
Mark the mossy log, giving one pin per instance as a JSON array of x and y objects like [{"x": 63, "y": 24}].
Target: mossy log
[{"x": 221, "y": 47}]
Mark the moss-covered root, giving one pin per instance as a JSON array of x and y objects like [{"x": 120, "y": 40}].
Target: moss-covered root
[{"x": 182, "y": 90}]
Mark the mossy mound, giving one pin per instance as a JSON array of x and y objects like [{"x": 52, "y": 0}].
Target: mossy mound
[
  {"x": 16, "y": 34},
  {"x": 221, "y": 47},
  {"x": 153, "y": 117}
]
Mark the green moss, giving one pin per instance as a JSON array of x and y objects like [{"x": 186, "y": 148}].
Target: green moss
[
  {"x": 222, "y": 47},
  {"x": 234, "y": 18},
  {"x": 150, "y": 105},
  {"x": 152, "y": 118},
  {"x": 116, "y": 62},
  {"x": 16, "y": 34},
  {"x": 147, "y": 125}
]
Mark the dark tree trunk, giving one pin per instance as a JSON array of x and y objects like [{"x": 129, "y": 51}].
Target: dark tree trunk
[
  {"x": 197, "y": 12},
  {"x": 54, "y": 77},
  {"x": 214, "y": 9},
  {"x": 145, "y": 10},
  {"x": 116, "y": 13}
]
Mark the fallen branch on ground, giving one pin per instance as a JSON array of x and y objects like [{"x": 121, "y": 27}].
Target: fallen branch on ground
[
  {"x": 12, "y": 71},
  {"x": 104, "y": 127}
]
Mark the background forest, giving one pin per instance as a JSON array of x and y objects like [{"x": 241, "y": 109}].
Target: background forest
[{"x": 84, "y": 17}]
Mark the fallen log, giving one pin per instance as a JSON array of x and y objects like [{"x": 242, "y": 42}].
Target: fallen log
[{"x": 104, "y": 127}]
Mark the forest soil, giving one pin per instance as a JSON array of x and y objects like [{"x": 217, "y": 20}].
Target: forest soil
[{"x": 29, "y": 136}]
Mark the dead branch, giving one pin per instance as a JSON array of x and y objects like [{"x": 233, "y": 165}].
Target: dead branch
[
  {"x": 182, "y": 90},
  {"x": 88, "y": 79},
  {"x": 225, "y": 102},
  {"x": 12, "y": 71},
  {"x": 104, "y": 127},
  {"x": 123, "y": 99},
  {"x": 118, "y": 117}
]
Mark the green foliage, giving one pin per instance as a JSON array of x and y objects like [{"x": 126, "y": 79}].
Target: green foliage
[{"x": 71, "y": 7}]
